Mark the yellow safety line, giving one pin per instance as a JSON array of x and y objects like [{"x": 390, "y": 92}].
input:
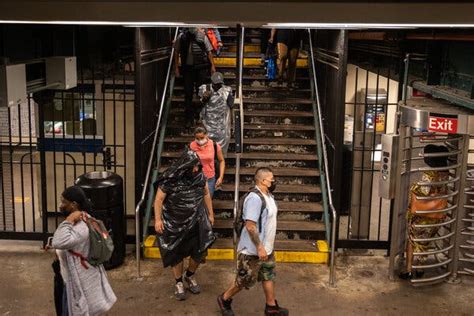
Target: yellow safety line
[
  {"x": 321, "y": 256},
  {"x": 227, "y": 61}
]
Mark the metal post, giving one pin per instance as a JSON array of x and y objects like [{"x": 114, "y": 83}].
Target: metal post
[
  {"x": 397, "y": 204},
  {"x": 460, "y": 198},
  {"x": 405, "y": 78},
  {"x": 332, "y": 271},
  {"x": 240, "y": 117}
]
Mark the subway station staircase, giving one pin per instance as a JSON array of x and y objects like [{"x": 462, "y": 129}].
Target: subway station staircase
[{"x": 279, "y": 132}]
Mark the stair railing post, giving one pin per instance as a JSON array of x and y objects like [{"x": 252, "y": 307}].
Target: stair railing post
[
  {"x": 152, "y": 153},
  {"x": 238, "y": 126},
  {"x": 332, "y": 276}
]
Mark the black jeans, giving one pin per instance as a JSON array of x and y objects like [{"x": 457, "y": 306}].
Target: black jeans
[{"x": 193, "y": 78}]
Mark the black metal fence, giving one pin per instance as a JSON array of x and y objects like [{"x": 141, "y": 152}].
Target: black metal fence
[
  {"x": 58, "y": 135},
  {"x": 370, "y": 112},
  {"x": 371, "y": 101}
]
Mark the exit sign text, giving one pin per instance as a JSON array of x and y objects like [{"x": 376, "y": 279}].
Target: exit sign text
[{"x": 443, "y": 125}]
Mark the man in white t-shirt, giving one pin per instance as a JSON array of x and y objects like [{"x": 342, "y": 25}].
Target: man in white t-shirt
[{"x": 256, "y": 260}]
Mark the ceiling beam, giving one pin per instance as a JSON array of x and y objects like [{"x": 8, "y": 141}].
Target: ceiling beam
[{"x": 232, "y": 12}]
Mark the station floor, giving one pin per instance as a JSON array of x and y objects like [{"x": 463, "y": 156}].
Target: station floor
[{"x": 362, "y": 288}]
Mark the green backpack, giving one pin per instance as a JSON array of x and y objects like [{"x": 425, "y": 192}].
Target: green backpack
[{"x": 101, "y": 245}]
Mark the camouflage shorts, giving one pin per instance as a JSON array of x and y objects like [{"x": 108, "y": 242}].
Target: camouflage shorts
[{"x": 250, "y": 269}]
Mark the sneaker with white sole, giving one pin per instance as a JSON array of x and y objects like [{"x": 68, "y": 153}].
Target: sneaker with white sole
[
  {"x": 179, "y": 292},
  {"x": 192, "y": 284}
]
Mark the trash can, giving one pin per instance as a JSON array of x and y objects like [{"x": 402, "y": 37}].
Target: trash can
[{"x": 105, "y": 190}]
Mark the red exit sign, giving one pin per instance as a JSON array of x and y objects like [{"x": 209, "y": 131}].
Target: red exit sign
[{"x": 443, "y": 125}]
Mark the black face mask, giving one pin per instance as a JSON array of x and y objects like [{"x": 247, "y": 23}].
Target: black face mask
[
  {"x": 272, "y": 187},
  {"x": 216, "y": 87},
  {"x": 64, "y": 211}
]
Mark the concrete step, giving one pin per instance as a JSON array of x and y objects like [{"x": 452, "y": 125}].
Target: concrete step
[
  {"x": 279, "y": 127},
  {"x": 299, "y": 226},
  {"x": 270, "y": 100},
  {"x": 304, "y": 207},
  {"x": 257, "y": 156},
  {"x": 280, "y": 172},
  {"x": 251, "y": 61},
  {"x": 250, "y": 141},
  {"x": 280, "y": 245},
  {"x": 281, "y": 188},
  {"x": 248, "y": 47},
  {"x": 253, "y": 88},
  {"x": 279, "y": 113}
]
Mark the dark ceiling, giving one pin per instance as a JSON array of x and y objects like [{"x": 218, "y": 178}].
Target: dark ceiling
[{"x": 250, "y": 13}]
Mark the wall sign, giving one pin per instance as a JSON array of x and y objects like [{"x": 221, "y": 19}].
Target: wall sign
[{"x": 443, "y": 124}]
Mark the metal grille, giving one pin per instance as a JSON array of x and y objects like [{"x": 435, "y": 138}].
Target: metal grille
[
  {"x": 59, "y": 135},
  {"x": 370, "y": 108},
  {"x": 465, "y": 255}
]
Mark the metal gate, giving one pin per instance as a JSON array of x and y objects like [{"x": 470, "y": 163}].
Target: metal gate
[
  {"x": 429, "y": 187},
  {"x": 464, "y": 264},
  {"x": 57, "y": 136},
  {"x": 370, "y": 110}
]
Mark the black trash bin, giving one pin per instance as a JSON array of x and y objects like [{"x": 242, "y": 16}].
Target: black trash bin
[{"x": 105, "y": 190}]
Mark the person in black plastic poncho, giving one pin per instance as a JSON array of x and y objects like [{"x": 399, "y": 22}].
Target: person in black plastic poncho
[{"x": 184, "y": 219}]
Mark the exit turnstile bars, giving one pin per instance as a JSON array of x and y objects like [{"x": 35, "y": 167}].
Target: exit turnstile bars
[
  {"x": 447, "y": 242},
  {"x": 465, "y": 254}
]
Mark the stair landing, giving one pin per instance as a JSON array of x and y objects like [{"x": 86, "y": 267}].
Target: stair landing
[{"x": 295, "y": 251}]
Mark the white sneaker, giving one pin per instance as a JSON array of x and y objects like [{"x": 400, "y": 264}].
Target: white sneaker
[
  {"x": 179, "y": 292},
  {"x": 192, "y": 284}
]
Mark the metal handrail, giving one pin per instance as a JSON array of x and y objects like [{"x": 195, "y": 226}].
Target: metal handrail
[
  {"x": 150, "y": 162},
  {"x": 237, "y": 155},
  {"x": 332, "y": 276},
  {"x": 241, "y": 70}
]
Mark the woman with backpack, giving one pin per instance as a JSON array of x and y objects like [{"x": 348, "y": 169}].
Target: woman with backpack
[
  {"x": 211, "y": 157},
  {"x": 86, "y": 288}
]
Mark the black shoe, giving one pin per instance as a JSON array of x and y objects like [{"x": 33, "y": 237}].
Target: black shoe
[
  {"x": 406, "y": 275},
  {"x": 225, "y": 306},
  {"x": 276, "y": 310}
]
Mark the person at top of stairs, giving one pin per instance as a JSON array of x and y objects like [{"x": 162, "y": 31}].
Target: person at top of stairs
[
  {"x": 256, "y": 259},
  {"x": 215, "y": 38},
  {"x": 288, "y": 45},
  {"x": 195, "y": 51},
  {"x": 208, "y": 153},
  {"x": 217, "y": 100},
  {"x": 183, "y": 219}
]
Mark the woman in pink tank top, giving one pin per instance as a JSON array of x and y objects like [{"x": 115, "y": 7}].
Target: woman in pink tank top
[{"x": 208, "y": 151}]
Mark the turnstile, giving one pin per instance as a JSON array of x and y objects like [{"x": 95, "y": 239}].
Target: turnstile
[
  {"x": 465, "y": 256},
  {"x": 436, "y": 234}
]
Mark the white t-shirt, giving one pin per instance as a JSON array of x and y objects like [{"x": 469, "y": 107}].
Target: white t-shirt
[
  {"x": 251, "y": 211},
  {"x": 270, "y": 223}
]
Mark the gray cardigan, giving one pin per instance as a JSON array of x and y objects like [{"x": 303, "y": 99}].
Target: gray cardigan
[{"x": 88, "y": 290}]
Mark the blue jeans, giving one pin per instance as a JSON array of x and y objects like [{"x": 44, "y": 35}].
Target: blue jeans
[{"x": 211, "y": 183}]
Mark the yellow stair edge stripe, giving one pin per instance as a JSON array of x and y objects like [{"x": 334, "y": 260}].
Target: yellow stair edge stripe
[
  {"x": 249, "y": 48},
  {"x": 227, "y": 61},
  {"x": 321, "y": 256}
]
